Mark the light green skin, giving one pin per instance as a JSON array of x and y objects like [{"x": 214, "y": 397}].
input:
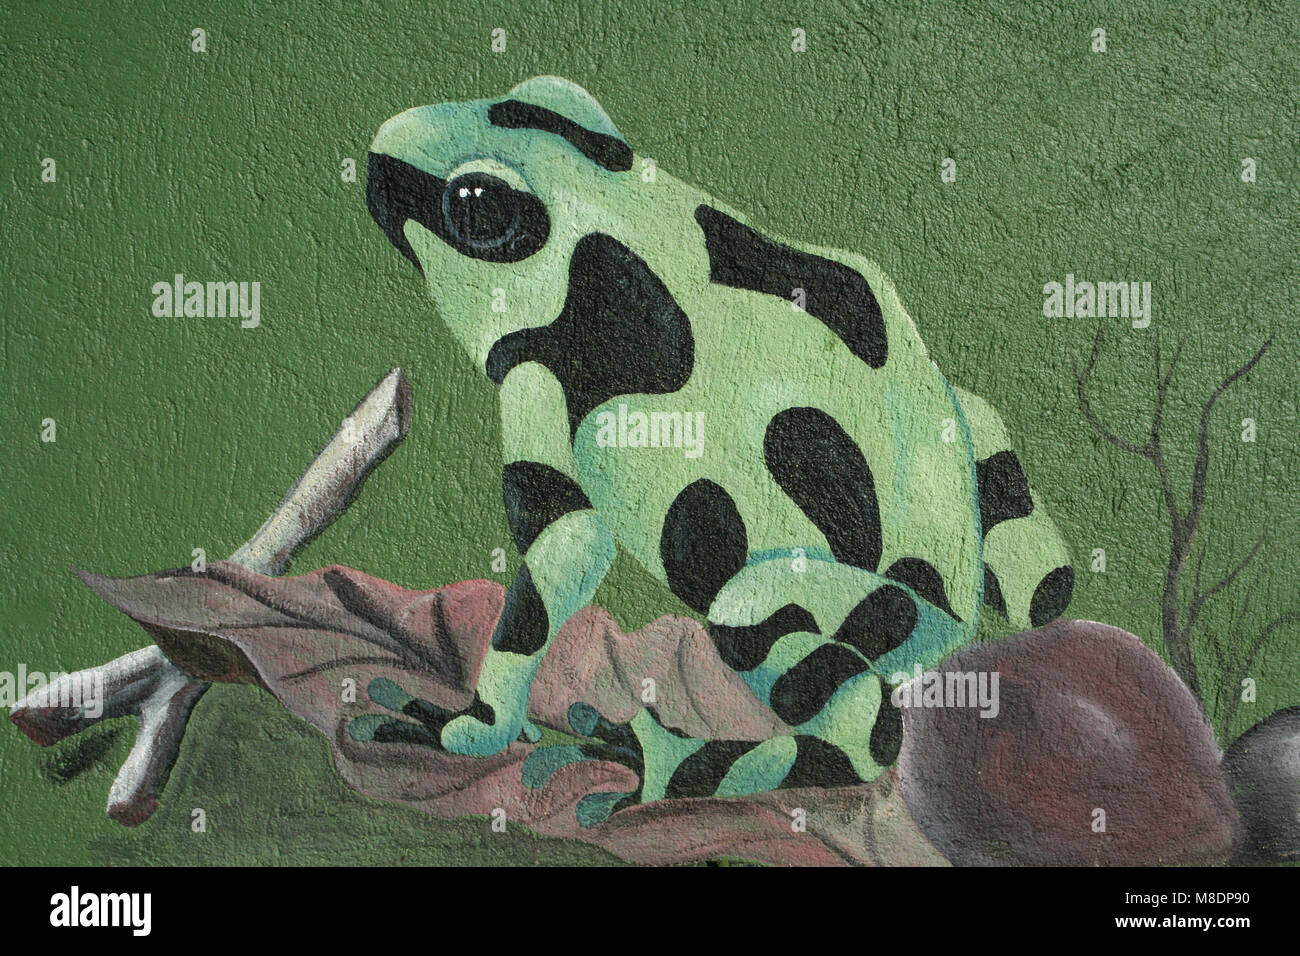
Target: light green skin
[{"x": 755, "y": 355}]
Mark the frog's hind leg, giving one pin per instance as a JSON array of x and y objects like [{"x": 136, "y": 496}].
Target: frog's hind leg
[
  {"x": 1027, "y": 573},
  {"x": 817, "y": 651}
]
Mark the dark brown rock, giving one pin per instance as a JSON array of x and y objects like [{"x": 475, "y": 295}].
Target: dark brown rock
[{"x": 1089, "y": 719}]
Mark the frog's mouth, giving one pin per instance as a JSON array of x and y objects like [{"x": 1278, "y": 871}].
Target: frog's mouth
[{"x": 397, "y": 191}]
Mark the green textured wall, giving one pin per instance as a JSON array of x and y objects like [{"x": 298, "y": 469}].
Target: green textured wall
[{"x": 182, "y": 433}]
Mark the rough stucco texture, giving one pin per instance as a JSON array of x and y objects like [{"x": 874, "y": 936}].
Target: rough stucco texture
[{"x": 176, "y": 434}]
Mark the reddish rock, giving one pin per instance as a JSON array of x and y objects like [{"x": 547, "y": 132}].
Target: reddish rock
[{"x": 1089, "y": 719}]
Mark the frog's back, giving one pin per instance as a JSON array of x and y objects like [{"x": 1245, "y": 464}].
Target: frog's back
[{"x": 820, "y": 418}]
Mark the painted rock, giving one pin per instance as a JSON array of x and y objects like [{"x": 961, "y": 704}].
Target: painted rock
[
  {"x": 1093, "y": 752},
  {"x": 1263, "y": 769}
]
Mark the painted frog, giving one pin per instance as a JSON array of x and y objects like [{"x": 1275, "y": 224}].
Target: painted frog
[{"x": 757, "y": 422}]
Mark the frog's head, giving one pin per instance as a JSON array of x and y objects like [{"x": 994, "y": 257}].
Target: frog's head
[{"x": 488, "y": 198}]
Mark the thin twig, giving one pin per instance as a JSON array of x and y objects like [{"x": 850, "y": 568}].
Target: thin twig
[
  {"x": 1082, "y": 380},
  {"x": 1201, "y": 469},
  {"x": 1199, "y": 598},
  {"x": 1290, "y": 617}
]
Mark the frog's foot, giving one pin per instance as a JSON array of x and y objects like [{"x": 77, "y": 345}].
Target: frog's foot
[
  {"x": 479, "y": 731},
  {"x": 475, "y": 731},
  {"x": 613, "y": 742}
]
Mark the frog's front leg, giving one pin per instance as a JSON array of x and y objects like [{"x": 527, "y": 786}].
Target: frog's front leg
[
  {"x": 567, "y": 551},
  {"x": 560, "y": 573}
]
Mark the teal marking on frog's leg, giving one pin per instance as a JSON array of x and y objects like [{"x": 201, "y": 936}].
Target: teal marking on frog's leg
[
  {"x": 544, "y": 761},
  {"x": 596, "y": 808},
  {"x": 1027, "y": 576}
]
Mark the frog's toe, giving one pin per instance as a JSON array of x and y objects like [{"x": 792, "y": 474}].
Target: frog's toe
[
  {"x": 583, "y": 719},
  {"x": 586, "y": 721},
  {"x": 474, "y": 731},
  {"x": 543, "y": 762},
  {"x": 472, "y": 737},
  {"x": 387, "y": 693},
  {"x": 376, "y": 728},
  {"x": 530, "y": 733},
  {"x": 362, "y": 729},
  {"x": 595, "y": 808}
]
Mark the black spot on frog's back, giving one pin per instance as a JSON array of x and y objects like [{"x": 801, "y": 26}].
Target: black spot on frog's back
[
  {"x": 1052, "y": 596},
  {"x": 536, "y": 496},
  {"x": 703, "y": 543},
  {"x": 620, "y": 332},
  {"x": 1003, "y": 489},
  {"x": 837, "y": 295},
  {"x": 819, "y": 465}
]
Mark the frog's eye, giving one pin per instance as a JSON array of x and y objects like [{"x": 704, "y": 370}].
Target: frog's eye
[{"x": 487, "y": 218}]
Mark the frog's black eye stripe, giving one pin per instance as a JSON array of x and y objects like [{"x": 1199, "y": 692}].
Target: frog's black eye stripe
[
  {"x": 397, "y": 191},
  {"x": 601, "y": 148},
  {"x": 478, "y": 215},
  {"x": 837, "y": 295}
]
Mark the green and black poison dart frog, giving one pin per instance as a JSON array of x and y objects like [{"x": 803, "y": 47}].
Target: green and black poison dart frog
[{"x": 843, "y": 516}]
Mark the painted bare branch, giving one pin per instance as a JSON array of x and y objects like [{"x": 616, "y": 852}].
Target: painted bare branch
[
  {"x": 329, "y": 485},
  {"x": 1177, "y": 622},
  {"x": 148, "y": 685}
]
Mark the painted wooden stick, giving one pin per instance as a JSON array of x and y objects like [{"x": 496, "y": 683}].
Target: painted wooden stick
[{"x": 148, "y": 685}]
